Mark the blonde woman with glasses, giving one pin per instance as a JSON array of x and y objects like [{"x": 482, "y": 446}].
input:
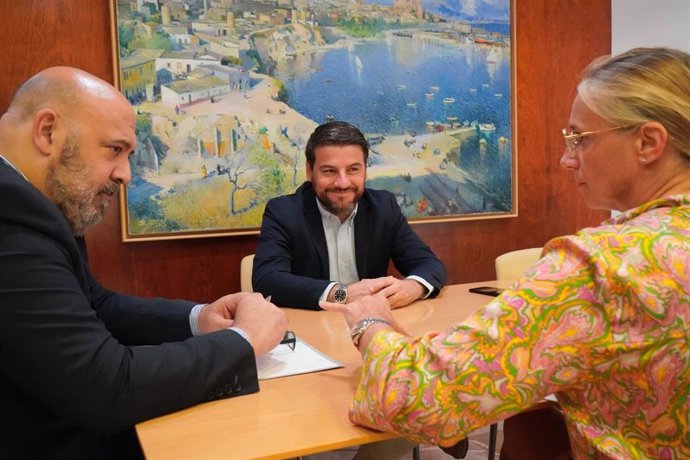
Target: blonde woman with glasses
[{"x": 602, "y": 321}]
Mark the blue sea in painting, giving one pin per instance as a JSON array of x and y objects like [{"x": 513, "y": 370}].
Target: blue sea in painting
[{"x": 402, "y": 86}]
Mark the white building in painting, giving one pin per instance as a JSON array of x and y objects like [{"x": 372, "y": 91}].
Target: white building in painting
[
  {"x": 182, "y": 63},
  {"x": 185, "y": 92},
  {"x": 237, "y": 78}
]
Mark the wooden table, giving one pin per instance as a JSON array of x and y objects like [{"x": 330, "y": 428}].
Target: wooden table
[{"x": 300, "y": 414}]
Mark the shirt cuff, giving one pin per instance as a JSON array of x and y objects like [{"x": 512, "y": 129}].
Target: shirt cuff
[
  {"x": 194, "y": 319},
  {"x": 194, "y": 323},
  {"x": 424, "y": 283},
  {"x": 241, "y": 333},
  {"x": 324, "y": 295}
]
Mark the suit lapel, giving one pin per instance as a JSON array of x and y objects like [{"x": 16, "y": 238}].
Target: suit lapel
[
  {"x": 313, "y": 219},
  {"x": 362, "y": 237}
]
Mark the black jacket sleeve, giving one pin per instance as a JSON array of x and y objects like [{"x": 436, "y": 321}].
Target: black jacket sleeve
[
  {"x": 410, "y": 255},
  {"x": 287, "y": 265},
  {"x": 56, "y": 348}
]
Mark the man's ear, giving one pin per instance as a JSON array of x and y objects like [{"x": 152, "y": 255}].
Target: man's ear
[
  {"x": 44, "y": 131},
  {"x": 653, "y": 138}
]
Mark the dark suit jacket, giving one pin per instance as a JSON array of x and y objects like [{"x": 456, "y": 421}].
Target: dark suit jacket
[
  {"x": 80, "y": 365},
  {"x": 291, "y": 261}
]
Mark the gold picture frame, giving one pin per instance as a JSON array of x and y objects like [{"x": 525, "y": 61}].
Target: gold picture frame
[{"x": 227, "y": 95}]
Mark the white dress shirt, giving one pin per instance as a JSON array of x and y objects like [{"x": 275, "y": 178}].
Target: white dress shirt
[{"x": 340, "y": 241}]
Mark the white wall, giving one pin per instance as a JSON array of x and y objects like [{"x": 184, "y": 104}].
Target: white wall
[{"x": 650, "y": 23}]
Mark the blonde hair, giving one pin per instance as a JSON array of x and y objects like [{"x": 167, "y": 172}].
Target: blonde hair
[{"x": 642, "y": 85}]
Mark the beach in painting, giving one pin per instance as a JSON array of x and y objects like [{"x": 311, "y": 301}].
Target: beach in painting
[{"x": 433, "y": 102}]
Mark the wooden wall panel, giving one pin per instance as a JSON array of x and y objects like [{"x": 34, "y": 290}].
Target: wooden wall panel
[{"x": 555, "y": 40}]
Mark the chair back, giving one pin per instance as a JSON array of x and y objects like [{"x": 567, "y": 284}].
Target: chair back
[
  {"x": 246, "y": 267},
  {"x": 514, "y": 263}
]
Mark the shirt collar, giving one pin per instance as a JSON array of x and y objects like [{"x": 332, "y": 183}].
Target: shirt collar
[{"x": 664, "y": 202}]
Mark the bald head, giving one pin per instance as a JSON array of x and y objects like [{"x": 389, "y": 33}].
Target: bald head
[
  {"x": 63, "y": 89},
  {"x": 70, "y": 134}
]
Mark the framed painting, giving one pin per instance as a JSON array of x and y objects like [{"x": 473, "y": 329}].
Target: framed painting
[{"x": 228, "y": 92}]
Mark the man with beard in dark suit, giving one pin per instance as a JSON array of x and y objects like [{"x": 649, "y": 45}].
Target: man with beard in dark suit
[{"x": 81, "y": 365}]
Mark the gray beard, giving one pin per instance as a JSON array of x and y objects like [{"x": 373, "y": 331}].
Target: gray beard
[{"x": 68, "y": 186}]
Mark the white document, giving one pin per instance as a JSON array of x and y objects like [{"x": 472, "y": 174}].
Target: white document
[{"x": 282, "y": 361}]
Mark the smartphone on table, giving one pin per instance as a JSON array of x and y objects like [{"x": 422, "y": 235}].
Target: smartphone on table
[{"x": 486, "y": 290}]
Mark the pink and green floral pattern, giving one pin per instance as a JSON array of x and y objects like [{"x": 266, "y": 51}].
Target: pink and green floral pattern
[{"x": 602, "y": 321}]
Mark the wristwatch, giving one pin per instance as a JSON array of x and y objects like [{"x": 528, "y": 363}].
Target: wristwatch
[
  {"x": 340, "y": 293},
  {"x": 359, "y": 328}
]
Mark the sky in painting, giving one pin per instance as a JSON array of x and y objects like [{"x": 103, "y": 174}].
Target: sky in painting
[{"x": 465, "y": 9}]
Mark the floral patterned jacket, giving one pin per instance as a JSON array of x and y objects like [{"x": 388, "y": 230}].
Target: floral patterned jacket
[{"x": 602, "y": 321}]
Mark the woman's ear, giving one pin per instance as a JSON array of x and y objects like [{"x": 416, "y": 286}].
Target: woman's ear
[{"x": 653, "y": 138}]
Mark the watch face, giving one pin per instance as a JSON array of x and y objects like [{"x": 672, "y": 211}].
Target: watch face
[{"x": 340, "y": 295}]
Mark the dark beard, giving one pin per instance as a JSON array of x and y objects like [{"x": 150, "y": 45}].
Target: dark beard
[{"x": 340, "y": 212}]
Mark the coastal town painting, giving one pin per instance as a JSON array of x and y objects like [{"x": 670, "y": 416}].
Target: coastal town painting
[{"x": 227, "y": 92}]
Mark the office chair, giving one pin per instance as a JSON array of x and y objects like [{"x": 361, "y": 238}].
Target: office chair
[
  {"x": 514, "y": 263},
  {"x": 246, "y": 267},
  {"x": 537, "y": 433}
]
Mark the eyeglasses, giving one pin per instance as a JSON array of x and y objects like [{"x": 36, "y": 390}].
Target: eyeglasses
[
  {"x": 289, "y": 339},
  {"x": 574, "y": 140}
]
